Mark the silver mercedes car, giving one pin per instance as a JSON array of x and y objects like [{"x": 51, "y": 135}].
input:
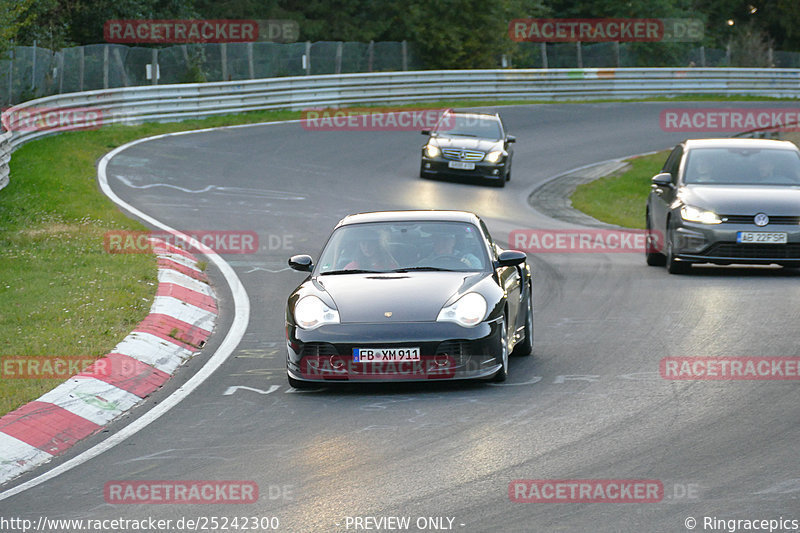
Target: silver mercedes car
[{"x": 725, "y": 201}]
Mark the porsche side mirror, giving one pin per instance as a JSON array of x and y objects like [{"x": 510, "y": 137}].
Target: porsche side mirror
[
  {"x": 301, "y": 263},
  {"x": 664, "y": 179},
  {"x": 511, "y": 258}
]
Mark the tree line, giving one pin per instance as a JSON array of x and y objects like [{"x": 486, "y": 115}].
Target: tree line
[{"x": 444, "y": 33}]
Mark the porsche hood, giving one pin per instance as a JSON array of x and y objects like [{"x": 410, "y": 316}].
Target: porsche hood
[{"x": 396, "y": 297}]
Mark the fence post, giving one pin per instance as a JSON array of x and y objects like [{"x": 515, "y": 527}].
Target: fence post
[
  {"x": 223, "y": 52},
  {"x": 370, "y": 55},
  {"x": 125, "y": 81},
  {"x": 154, "y": 67},
  {"x": 105, "y": 67},
  {"x": 728, "y": 54},
  {"x": 308, "y": 58},
  {"x": 250, "y": 65},
  {"x": 33, "y": 70},
  {"x": 339, "y": 57},
  {"x": 404, "y": 50},
  {"x": 11, "y": 76},
  {"x": 80, "y": 68},
  {"x": 702, "y": 56},
  {"x": 616, "y": 53},
  {"x": 769, "y": 58},
  {"x": 61, "y": 71},
  {"x": 543, "y": 49},
  {"x": 579, "y": 54}
]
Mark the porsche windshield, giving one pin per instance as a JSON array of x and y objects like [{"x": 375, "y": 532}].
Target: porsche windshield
[{"x": 404, "y": 247}]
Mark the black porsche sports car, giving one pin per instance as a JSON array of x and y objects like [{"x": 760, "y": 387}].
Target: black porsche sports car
[
  {"x": 408, "y": 295},
  {"x": 468, "y": 145}
]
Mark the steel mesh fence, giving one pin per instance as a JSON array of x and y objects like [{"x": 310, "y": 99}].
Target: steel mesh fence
[{"x": 31, "y": 72}]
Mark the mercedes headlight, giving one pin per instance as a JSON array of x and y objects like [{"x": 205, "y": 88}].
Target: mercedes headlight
[
  {"x": 695, "y": 214},
  {"x": 494, "y": 157},
  {"x": 467, "y": 311},
  {"x": 311, "y": 312},
  {"x": 432, "y": 151}
]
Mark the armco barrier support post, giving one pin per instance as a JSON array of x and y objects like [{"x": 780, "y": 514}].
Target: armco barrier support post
[
  {"x": 223, "y": 55},
  {"x": 105, "y": 67},
  {"x": 370, "y": 56}
]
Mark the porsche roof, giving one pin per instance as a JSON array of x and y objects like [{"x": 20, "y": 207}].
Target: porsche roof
[{"x": 409, "y": 216}]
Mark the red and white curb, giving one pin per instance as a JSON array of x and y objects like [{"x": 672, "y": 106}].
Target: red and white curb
[{"x": 181, "y": 319}]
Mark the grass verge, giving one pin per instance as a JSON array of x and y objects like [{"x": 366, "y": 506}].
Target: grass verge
[
  {"x": 620, "y": 198},
  {"x": 61, "y": 294}
]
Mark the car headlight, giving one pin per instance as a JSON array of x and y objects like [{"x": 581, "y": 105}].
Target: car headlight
[
  {"x": 493, "y": 157},
  {"x": 467, "y": 311},
  {"x": 695, "y": 214},
  {"x": 311, "y": 312},
  {"x": 432, "y": 151}
]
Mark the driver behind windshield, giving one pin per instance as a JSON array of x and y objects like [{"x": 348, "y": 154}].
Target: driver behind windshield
[
  {"x": 444, "y": 249},
  {"x": 371, "y": 253}
]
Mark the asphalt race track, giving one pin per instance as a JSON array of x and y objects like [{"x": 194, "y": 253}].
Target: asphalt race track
[{"x": 590, "y": 403}]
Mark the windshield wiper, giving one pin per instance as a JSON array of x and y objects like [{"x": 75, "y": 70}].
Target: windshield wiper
[
  {"x": 424, "y": 268},
  {"x": 353, "y": 271},
  {"x": 462, "y": 134}
]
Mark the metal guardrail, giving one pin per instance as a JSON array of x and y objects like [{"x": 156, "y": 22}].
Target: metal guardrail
[{"x": 134, "y": 105}]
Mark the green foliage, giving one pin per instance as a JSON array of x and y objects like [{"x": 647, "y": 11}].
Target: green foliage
[
  {"x": 60, "y": 23},
  {"x": 749, "y": 47},
  {"x": 194, "y": 70},
  {"x": 14, "y": 18},
  {"x": 465, "y": 33},
  {"x": 441, "y": 33},
  {"x": 618, "y": 8}
]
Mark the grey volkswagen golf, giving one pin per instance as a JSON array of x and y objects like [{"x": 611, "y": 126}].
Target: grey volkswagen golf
[{"x": 725, "y": 201}]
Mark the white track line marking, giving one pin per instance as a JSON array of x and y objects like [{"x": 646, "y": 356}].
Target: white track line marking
[{"x": 241, "y": 306}]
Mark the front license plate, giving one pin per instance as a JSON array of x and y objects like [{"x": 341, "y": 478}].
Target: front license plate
[
  {"x": 367, "y": 355},
  {"x": 760, "y": 237},
  {"x": 461, "y": 165}
]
